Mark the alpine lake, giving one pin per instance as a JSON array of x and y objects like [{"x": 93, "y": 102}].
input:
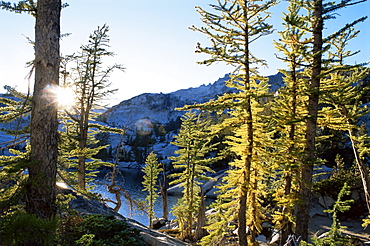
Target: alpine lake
[{"x": 131, "y": 181}]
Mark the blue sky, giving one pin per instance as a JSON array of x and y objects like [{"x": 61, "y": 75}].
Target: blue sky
[{"x": 151, "y": 39}]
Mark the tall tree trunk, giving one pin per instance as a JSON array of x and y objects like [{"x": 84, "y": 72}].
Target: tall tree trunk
[
  {"x": 82, "y": 158},
  {"x": 313, "y": 101},
  {"x": 242, "y": 219},
  {"x": 245, "y": 186},
  {"x": 200, "y": 232},
  {"x": 81, "y": 172},
  {"x": 164, "y": 194},
  {"x": 253, "y": 209},
  {"x": 288, "y": 226},
  {"x": 44, "y": 123}
]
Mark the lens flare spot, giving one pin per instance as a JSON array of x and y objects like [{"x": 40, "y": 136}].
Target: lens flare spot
[{"x": 144, "y": 127}]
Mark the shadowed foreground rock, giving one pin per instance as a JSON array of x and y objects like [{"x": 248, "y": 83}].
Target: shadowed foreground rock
[{"x": 151, "y": 237}]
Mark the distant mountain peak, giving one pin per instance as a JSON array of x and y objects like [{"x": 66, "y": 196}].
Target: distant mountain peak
[{"x": 160, "y": 107}]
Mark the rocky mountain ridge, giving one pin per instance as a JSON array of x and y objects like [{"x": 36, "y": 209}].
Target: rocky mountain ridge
[
  {"x": 160, "y": 108},
  {"x": 151, "y": 119}
]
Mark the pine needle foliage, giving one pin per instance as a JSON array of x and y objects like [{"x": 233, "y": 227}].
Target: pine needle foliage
[
  {"x": 21, "y": 228},
  {"x": 151, "y": 171},
  {"x": 24, "y": 6},
  {"x": 13, "y": 178},
  {"x": 69, "y": 151},
  {"x": 97, "y": 229},
  {"x": 15, "y": 113},
  {"x": 219, "y": 223},
  {"x": 192, "y": 161},
  {"x": 250, "y": 168},
  {"x": 335, "y": 236}
]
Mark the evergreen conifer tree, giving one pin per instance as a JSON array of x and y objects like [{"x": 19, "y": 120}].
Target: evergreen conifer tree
[
  {"x": 151, "y": 171},
  {"x": 41, "y": 192},
  {"x": 315, "y": 19},
  {"x": 69, "y": 151},
  {"x": 192, "y": 162},
  {"x": 42, "y": 172},
  {"x": 335, "y": 235},
  {"x": 16, "y": 109}
]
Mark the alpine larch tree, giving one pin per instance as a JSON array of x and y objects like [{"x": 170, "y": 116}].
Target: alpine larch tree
[
  {"x": 194, "y": 142},
  {"x": 345, "y": 106},
  {"x": 288, "y": 118},
  {"x": 232, "y": 29},
  {"x": 151, "y": 171},
  {"x": 317, "y": 12},
  {"x": 90, "y": 83}
]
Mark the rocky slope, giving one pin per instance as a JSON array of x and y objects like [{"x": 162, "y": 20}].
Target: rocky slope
[
  {"x": 160, "y": 108},
  {"x": 151, "y": 237},
  {"x": 152, "y": 118}
]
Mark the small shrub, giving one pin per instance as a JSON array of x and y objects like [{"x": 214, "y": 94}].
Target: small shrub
[
  {"x": 97, "y": 230},
  {"x": 22, "y": 228},
  {"x": 334, "y": 236},
  {"x": 332, "y": 186}
]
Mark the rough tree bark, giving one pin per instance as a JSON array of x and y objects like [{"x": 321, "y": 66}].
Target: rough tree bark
[
  {"x": 242, "y": 210},
  {"x": 200, "y": 232},
  {"x": 40, "y": 197},
  {"x": 313, "y": 101},
  {"x": 164, "y": 194}
]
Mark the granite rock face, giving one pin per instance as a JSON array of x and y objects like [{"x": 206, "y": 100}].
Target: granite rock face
[
  {"x": 152, "y": 119},
  {"x": 161, "y": 108}
]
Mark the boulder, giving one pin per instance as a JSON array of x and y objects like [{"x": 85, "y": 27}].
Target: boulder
[
  {"x": 154, "y": 238},
  {"x": 158, "y": 223},
  {"x": 355, "y": 195},
  {"x": 209, "y": 188},
  {"x": 326, "y": 201},
  {"x": 175, "y": 190},
  {"x": 212, "y": 193}
]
